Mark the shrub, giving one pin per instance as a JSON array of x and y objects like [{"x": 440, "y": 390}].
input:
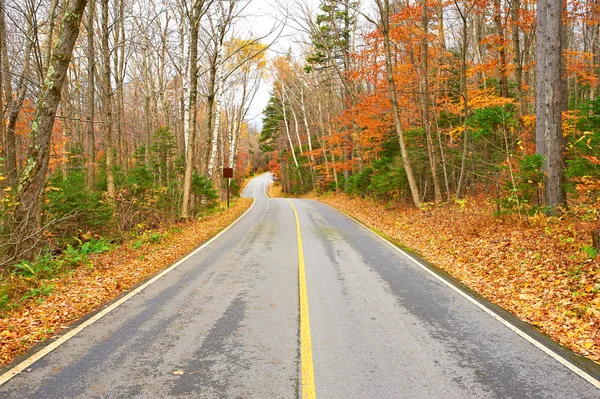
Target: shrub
[
  {"x": 203, "y": 188},
  {"x": 69, "y": 200},
  {"x": 358, "y": 183}
]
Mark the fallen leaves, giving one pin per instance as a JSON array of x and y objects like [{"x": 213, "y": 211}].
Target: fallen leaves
[
  {"x": 110, "y": 274},
  {"x": 539, "y": 270},
  {"x": 275, "y": 190}
]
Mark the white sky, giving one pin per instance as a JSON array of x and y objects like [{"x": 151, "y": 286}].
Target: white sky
[{"x": 262, "y": 16}]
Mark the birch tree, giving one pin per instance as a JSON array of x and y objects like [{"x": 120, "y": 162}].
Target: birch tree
[{"x": 195, "y": 15}]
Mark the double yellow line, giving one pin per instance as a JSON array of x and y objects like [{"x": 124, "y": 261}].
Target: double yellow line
[{"x": 307, "y": 371}]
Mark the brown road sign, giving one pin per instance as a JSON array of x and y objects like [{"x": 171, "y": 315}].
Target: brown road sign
[{"x": 227, "y": 173}]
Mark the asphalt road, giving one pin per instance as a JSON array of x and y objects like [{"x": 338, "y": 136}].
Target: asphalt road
[{"x": 226, "y": 324}]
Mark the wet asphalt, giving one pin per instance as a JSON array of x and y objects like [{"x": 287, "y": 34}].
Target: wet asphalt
[{"x": 224, "y": 324}]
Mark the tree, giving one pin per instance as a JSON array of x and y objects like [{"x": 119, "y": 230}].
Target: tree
[
  {"x": 91, "y": 95},
  {"x": 107, "y": 103},
  {"x": 332, "y": 36},
  {"x": 551, "y": 99},
  {"x": 33, "y": 177},
  {"x": 13, "y": 103},
  {"x": 195, "y": 16},
  {"x": 383, "y": 25}
]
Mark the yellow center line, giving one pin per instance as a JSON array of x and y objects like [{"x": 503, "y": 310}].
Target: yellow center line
[{"x": 307, "y": 372}]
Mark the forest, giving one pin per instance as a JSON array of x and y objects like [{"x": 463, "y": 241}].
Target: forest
[
  {"x": 430, "y": 101},
  {"x": 118, "y": 116}
]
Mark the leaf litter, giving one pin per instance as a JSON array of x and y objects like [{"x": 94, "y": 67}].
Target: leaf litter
[{"x": 107, "y": 276}]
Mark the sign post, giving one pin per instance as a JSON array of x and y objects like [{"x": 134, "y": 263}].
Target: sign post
[{"x": 228, "y": 174}]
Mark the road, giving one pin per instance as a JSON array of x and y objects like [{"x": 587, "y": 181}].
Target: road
[{"x": 228, "y": 323}]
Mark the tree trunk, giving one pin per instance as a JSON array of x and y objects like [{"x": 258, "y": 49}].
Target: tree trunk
[
  {"x": 13, "y": 115},
  {"x": 321, "y": 127},
  {"x": 51, "y": 20},
  {"x": 596, "y": 239},
  {"x": 107, "y": 103},
  {"x": 311, "y": 160},
  {"x": 346, "y": 50},
  {"x": 297, "y": 129},
  {"x": 119, "y": 65},
  {"x": 287, "y": 127},
  {"x": 185, "y": 89},
  {"x": 501, "y": 50},
  {"x": 211, "y": 96},
  {"x": 425, "y": 100},
  {"x": 551, "y": 91},
  {"x": 515, "y": 8},
  {"x": 220, "y": 83},
  {"x": 91, "y": 93},
  {"x": 13, "y": 105},
  {"x": 465, "y": 95},
  {"x": 25, "y": 233},
  {"x": 385, "y": 30},
  {"x": 147, "y": 111},
  {"x": 2, "y": 126},
  {"x": 193, "y": 94}
]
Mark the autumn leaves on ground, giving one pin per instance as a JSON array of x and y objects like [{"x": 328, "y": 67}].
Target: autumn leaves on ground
[
  {"x": 102, "y": 278},
  {"x": 540, "y": 268}
]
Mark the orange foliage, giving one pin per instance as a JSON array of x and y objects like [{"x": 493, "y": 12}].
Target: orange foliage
[{"x": 580, "y": 65}]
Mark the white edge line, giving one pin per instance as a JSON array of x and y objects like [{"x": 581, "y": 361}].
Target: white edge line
[
  {"x": 70, "y": 334},
  {"x": 490, "y": 312}
]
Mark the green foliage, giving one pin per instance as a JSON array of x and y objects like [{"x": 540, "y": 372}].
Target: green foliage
[
  {"x": 487, "y": 121},
  {"x": 42, "y": 266},
  {"x": 584, "y": 145},
  {"x": 386, "y": 177},
  {"x": 525, "y": 193},
  {"x": 95, "y": 247},
  {"x": 332, "y": 40},
  {"x": 272, "y": 120},
  {"x": 42, "y": 290},
  {"x": 155, "y": 238},
  {"x": 72, "y": 257},
  {"x": 33, "y": 275},
  {"x": 203, "y": 187},
  {"x": 48, "y": 266},
  {"x": 590, "y": 251},
  {"x": 359, "y": 183},
  {"x": 151, "y": 191},
  {"x": 389, "y": 178},
  {"x": 68, "y": 198},
  {"x": 139, "y": 180},
  {"x": 4, "y": 299},
  {"x": 163, "y": 149},
  {"x": 234, "y": 187}
]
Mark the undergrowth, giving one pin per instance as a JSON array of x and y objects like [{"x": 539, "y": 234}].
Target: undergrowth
[{"x": 30, "y": 279}]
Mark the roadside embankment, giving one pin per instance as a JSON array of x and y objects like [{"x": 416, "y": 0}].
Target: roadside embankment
[{"x": 103, "y": 278}]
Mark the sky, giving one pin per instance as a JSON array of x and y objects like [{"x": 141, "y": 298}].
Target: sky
[{"x": 261, "y": 17}]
